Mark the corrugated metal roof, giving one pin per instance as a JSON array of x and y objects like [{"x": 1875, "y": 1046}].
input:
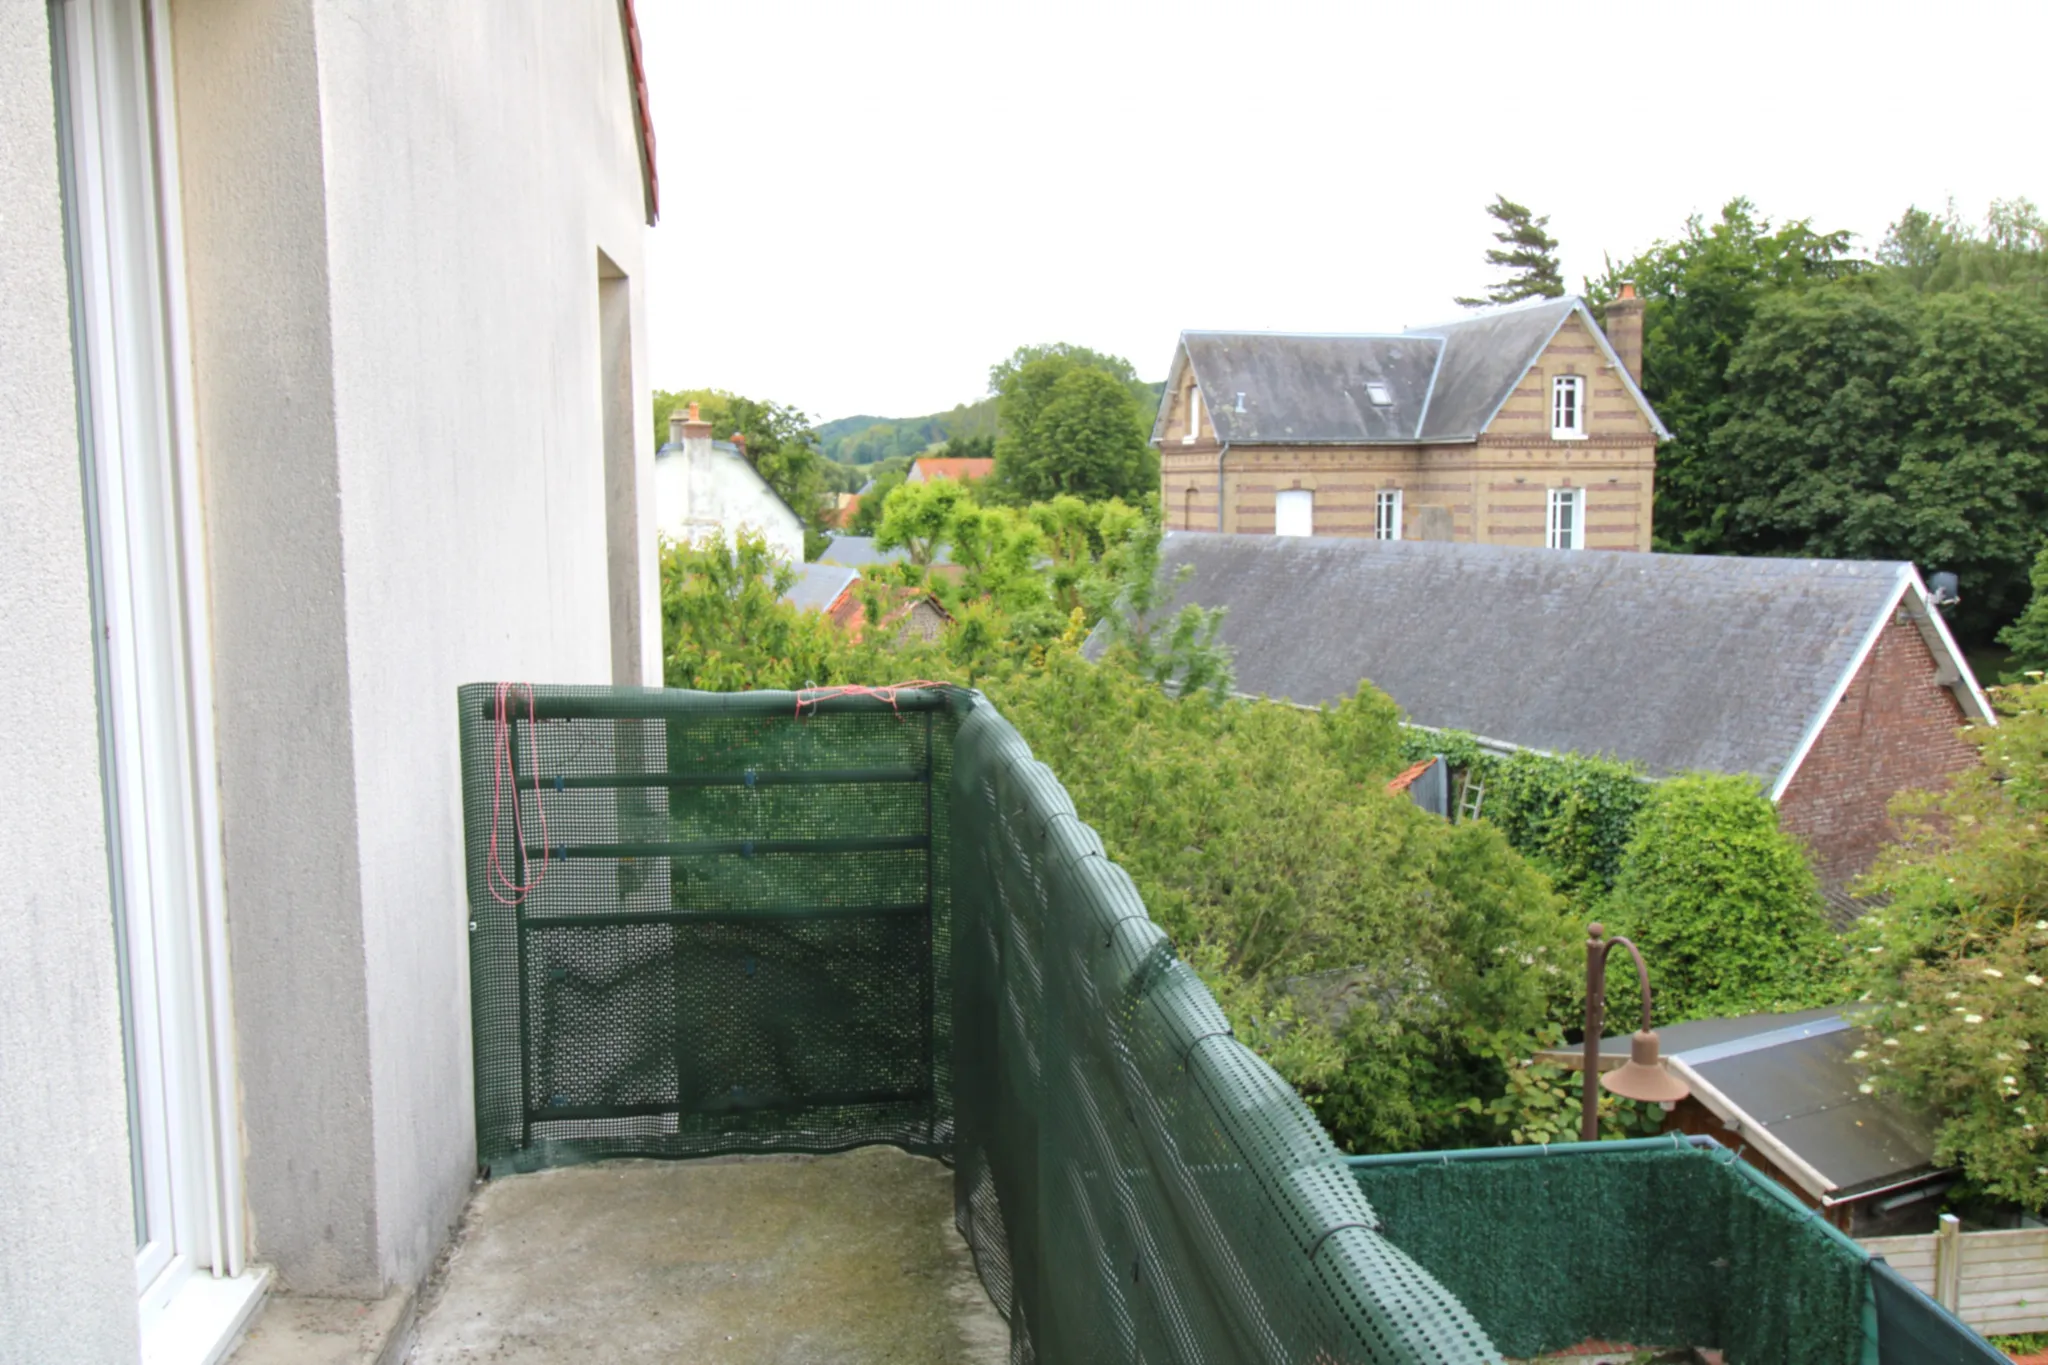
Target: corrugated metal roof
[{"x": 1673, "y": 661}]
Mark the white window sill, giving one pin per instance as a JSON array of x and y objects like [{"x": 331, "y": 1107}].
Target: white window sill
[
  {"x": 1187, "y": 440},
  {"x": 202, "y": 1319},
  {"x": 1567, "y": 435}
]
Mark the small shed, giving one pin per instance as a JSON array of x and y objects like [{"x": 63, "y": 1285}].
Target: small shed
[{"x": 1787, "y": 1092}]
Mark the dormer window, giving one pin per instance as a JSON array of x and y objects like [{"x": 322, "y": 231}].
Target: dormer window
[
  {"x": 1567, "y": 407},
  {"x": 1379, "y": 394},
  {"x": 1194, "y": 416}
]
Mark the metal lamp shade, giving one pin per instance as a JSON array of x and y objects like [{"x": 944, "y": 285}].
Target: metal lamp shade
[{"x": 1643, "y": 1076}]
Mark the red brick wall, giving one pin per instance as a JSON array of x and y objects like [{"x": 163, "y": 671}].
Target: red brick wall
[{"x": 1894, "y": 730}]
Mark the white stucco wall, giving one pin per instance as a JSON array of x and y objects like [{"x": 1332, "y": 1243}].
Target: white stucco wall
[
  {"x": 701, "y": 490},
  {"x": 394, "y": 278},
  {"x": 479, "y": 157},
  {"x": 67, "y": 1276}
]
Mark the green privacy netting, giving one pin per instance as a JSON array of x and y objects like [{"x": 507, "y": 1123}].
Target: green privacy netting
[
  {"x": 717, "y": 923},
  {"x": 709, "y": 923},
  {"x": 1656, "y": 1242}
]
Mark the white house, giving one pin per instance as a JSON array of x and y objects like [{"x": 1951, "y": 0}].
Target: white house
[
  {"x": 321, "y": 373},
  {"x": 705, "y": 488}
]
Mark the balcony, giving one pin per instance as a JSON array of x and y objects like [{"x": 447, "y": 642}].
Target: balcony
[{"x": 728, "y": 951}]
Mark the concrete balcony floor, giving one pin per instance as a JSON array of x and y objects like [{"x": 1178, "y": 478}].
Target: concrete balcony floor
[{"x": 771, "y": 1260}]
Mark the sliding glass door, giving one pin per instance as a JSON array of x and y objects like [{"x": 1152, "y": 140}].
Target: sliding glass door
[{"x": 112, "y": 74}]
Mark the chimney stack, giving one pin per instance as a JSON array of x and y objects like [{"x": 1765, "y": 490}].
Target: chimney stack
[
  {"x": 1625, "y": 330},
  {"x": 687, "y": 427},
  {"x": 739, "y": 441}
]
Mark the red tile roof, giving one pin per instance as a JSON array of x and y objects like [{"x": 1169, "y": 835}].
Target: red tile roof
[
  {"x": 954, "y": 468},
  {"x": 1407, "y": 779}
]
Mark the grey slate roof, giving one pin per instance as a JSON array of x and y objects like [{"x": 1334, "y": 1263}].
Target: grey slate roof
[
  {"x": 1446, "y": 381},
  {"x": 1672, "y": 661},
  {"x": 860, "y": 551},
  {"x": 819, "y": 584},
  {"x": 1793, "y": 1076}
]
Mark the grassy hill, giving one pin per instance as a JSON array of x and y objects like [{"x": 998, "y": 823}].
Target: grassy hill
[{"x": 865, "y": 439}]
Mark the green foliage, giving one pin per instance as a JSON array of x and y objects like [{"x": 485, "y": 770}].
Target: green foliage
[
  {"x": 1941, "y": 253},
  {"x": 1526, "y": 252},
  {"x": 2027, "y": 637},
  {"x": 918, "y": 518},
  {"x": 1572, "y": 814},
  {"x": 1956, "y": 964},
  {"x": 1699, "y": 294},
  {"x": 724, "y": 626},
  {"x": 1071, "y": 428},
  {"x": 1883, "y": 424},
  {"x": 1722, "y": 903}
]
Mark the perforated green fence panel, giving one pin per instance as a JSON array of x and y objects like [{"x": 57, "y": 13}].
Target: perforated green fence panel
[
  {"x": 701, "y": 925},
  {"x": 1657, "y": 1242},
  {"x": 706, "y": 923}
]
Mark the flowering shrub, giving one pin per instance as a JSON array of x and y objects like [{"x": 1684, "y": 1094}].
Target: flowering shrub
[{"x": 1957, "y": 964}]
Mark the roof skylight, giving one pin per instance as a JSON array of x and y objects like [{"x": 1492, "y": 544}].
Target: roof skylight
[{"x": 1380, "y": 394}]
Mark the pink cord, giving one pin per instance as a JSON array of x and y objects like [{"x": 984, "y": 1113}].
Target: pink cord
[
  {"x": 501, "y": 764},
  {"x": 812, "y": 696}
]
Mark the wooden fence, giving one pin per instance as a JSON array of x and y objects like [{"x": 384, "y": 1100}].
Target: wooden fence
[{"x": 1997, "y": 1282}]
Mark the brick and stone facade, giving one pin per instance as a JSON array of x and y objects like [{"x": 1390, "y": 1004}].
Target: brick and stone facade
[{"x": 1490, "y": 488}]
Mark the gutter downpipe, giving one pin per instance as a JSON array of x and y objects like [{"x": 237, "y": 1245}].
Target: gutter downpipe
[{"x": 1221, "y": 455}]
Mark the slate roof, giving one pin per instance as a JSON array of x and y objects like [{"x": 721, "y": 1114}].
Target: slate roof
[
  {"x": 1673, "y": 661},
  {"x": 1792, "y": 1076},
  {"x": 819, "y": 584},
  {"x": 1445, "y": 381},
  {"x": 860, "y": 552}
]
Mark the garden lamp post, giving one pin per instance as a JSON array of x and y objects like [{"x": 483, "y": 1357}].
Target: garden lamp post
[{"x": 1644, "y": 1076}]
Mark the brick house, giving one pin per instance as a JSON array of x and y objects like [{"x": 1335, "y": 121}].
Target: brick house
[
  {"x": 1522, "y": 425},
  {"x": 1834, "y": 683}
]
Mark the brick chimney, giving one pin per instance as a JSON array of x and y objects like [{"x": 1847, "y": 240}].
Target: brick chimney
[
  {"x": 739, "y": 443},
  {"x": 1625, "y": 330},
  {"x": 687, "y": 427}
]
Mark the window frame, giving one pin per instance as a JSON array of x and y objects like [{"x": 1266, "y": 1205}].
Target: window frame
[
  {"x": 1575, "y": 384},
  {"x": 1194, "y": 430},
  {"x": 1575, "y": 531},
  {"x": 1386, "y": 527},
  {"x": 1304, "y": 498}
]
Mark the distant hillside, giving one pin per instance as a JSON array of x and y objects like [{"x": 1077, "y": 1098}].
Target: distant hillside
[{"x": 864, "y": 439}]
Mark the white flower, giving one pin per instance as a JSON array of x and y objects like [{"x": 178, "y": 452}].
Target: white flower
[
  {"x": 2002, "y": 1057},
  {"x": 1973, "y": 1018},
  {"x": 1891, "y": 1042},
  {"x": 2007, "y": 1079},
  {"x": 2041, "y": 924},
  {"x": 1919, "y": 1028},
  {"x": 1858, "y": 1055},
  {"x": 1866, "y": 1087},
  {"x": 2031, "y": 979},
  {"x": 1955, "y": 995},
  {"x": 1993, "y": 971},
  {"x": 1527, "y": 960}
]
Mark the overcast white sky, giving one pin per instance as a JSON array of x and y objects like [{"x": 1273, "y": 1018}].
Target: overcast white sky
[{"x": 866, "y": 204}]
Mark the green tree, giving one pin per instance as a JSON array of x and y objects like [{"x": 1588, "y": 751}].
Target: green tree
[
  {"x": 2027, "y": 637},
  {"x": 1526, "y": 252},
  {"x": 1072, "y": 429},
  {"x": 1879, "y": 423},
  {"x": 725, "y": 627},
  {"x": 1932, "y": 253},
  {"x": 1699, "y": 294},
  {"x": 1722, "y": 903},
  {"x": 1956, "y": 964},
  {"x": 918, "y": 518}
]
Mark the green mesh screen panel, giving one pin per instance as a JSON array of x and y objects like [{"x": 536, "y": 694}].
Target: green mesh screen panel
[
  {"x": 735, "y": 932},
  {"x": 1135, "y": 1184},
  {"x": 746, "y": 930},
  {"x": 1658, "y": 1243}
]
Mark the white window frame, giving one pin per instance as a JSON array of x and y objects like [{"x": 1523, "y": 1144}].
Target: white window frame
[
  {"x": 1294, "y": 512},
  {"x": 1194, "y": 416},
  {"x": 145, "y": 538},
  {"x": 1387, "y": 514},
  {"x": 1568, "y": 419},
  {"x": 1564, "y": 520}
]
